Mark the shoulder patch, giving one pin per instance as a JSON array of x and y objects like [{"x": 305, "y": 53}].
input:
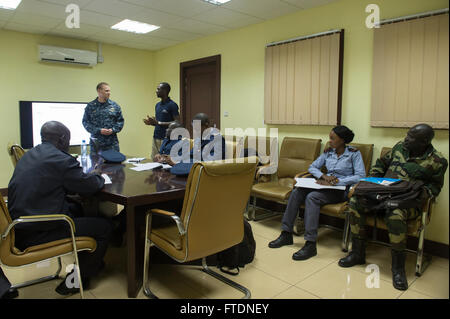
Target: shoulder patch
[{"x": 439, "y": 159}]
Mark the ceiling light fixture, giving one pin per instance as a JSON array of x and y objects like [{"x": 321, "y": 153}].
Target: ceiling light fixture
[
  {"x": 134, "y": 26},
  {"x": 217, "y": 2},
  {"x": 9, "y": 4}
]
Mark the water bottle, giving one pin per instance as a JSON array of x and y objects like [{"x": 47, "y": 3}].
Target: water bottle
[
  {"x": 84, "y": 156},
  {"x": 83, "y": 149}
]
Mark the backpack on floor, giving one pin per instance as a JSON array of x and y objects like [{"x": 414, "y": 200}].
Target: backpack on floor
[{"x": 238, "y": 255}]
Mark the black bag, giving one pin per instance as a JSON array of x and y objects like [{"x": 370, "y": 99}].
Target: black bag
[
  {"x": 401, "y": 194},
  {"x": 239, "y": 255}
]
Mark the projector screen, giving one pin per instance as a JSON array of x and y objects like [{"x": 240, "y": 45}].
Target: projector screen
[{"x": 34, "y": 114}]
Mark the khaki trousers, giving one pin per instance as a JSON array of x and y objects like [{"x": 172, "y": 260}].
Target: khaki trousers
[{"x": 156, "y": 147}]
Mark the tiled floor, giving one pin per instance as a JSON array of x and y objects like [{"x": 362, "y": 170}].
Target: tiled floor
[{"x": 273, "y": 274}]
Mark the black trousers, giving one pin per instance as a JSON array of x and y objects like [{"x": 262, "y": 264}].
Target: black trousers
[
  {"x": 4, "y": 283},
  {"x": 95, "y": 227}
]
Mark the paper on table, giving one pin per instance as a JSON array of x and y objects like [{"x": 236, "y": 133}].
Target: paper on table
[
  {"x": 145, "y": 166},
  {"x": 107, "y": 179},
  {"x": 311, "y": 183}
]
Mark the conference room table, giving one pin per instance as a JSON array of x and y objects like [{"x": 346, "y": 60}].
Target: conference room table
[{"x": 136, "y": 191}]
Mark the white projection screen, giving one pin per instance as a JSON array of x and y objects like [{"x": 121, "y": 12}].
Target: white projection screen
[{"x": 34, "y": 114}]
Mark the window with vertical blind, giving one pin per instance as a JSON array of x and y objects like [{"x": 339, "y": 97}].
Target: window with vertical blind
[
  {"x": 410, "y": 73},
  {"x": 303, "y": 80}
]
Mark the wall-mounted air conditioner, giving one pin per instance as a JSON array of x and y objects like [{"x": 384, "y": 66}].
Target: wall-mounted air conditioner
[{"x": 68, "y": 56}]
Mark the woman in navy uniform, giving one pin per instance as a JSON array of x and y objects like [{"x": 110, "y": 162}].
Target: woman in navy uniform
[{"x": 345, "y": 167}]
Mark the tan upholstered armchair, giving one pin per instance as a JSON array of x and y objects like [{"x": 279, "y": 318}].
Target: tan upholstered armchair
[
  {"x": 15, "y": 152},
  {"x": 211, "y": 219},
  {"x": 267, "y": 149},
  {"x": 339, "y": 209},
  {"x": 416, "y": 228},
  {"x": 296, "y": 155},
  {"x": 10, "y": 256}
]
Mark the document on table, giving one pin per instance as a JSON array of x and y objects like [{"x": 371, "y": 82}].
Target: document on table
[
  {"x": 107, "y": 179},
  {"x": 311, "y": 183},
  {"x": 145, "y": 166}
]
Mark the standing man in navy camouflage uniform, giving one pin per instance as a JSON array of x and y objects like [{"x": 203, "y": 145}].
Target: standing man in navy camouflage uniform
[
  {"x": 103, "y": 119},
  {"x": 166, "y": 112}
]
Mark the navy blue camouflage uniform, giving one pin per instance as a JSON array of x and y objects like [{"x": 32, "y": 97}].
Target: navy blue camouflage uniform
[{"x": 106, "y": 115}]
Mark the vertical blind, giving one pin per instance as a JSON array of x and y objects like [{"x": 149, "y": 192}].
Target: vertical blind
[
  {"x": 411, "y": 73},
  {"x": 303, "y": 81}
]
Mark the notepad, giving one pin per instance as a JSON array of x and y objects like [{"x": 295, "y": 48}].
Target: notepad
[
  {"x": 311, "y": 183},
  {"x": 145, "y": 166}
]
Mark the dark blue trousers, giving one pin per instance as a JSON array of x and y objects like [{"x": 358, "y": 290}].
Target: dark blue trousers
[{"x": 313, "y": 199}]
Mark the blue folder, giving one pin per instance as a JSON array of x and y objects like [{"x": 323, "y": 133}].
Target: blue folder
[{"x": 379, "y": 180}]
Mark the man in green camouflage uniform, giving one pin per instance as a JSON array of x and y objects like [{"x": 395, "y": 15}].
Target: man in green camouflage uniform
[
  {"x": 103, "y": 119},
  {"x": 412, "y": 159}
]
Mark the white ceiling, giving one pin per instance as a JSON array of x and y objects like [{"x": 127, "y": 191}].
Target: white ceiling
[{"x": 180, "y": 20}]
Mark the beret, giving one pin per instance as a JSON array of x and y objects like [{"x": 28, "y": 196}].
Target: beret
[
  {"x": 181, "y": 169},
  {"x": 112, "y": 156}
]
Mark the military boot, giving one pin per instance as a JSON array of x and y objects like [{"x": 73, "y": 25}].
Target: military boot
[
  {"x": 398, "y": 270},
  {"x": 357, "y": 256}
]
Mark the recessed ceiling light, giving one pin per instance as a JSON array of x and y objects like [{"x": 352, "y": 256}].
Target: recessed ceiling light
[
  {"x": 134, "y": 26},
  {"x": 217, "y": 2},
  {"x": 9, "y": 4}
]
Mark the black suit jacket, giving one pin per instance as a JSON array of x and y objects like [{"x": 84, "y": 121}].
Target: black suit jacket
[{"x": 42, "y": 179}]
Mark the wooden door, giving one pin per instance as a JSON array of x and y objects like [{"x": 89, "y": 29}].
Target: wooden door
[{"x": 200, "y": 90}]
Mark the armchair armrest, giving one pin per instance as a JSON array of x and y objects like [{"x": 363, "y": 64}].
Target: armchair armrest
[
  {"x": 262, "y": 168},
  {"x": 172, "y": 215},
  {"x": 303, "y": 175},
  {"x": 39, "y": 218},
  {"x": 351, "y": 191},
  {"x": 162, "y": 212},
  {"x": 427, "y": 209}
]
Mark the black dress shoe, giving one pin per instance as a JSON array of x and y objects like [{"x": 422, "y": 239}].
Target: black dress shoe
[
  {"x": 308, "y": 251},
  {"x": 10, "y": 294},
  {"x": 62, "y": 289},
  {"x": 284, "y": 239}
]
